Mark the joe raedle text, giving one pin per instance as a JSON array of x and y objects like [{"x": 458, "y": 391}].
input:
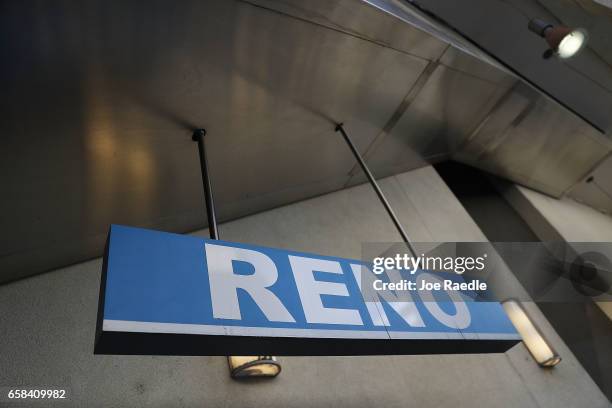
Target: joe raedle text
[{"x": 446, "y": 284}]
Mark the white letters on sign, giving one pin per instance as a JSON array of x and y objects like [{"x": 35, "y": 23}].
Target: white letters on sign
[
  {"x": 310, "y": 291},
  {"x": 224, "y": 283}
]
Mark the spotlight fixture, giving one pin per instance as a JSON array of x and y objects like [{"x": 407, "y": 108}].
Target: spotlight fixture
[
  {"x": 563, "y": 41},
  {"x": 540, "y": 349},
  {"x": 253, "y": 366}
]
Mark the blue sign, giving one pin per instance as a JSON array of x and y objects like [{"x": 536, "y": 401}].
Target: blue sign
[{"x": 170, "y": 284}]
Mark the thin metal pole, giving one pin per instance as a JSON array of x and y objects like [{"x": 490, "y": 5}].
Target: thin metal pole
[
  {"x": 375, "y": 186},
  {"x": 198, "y": 136}
]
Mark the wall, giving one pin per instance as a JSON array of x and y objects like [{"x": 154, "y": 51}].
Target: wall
[
  {"x": 567, "y": 220},
  {"x": 563, "y": 219},
  {"x": 48, "y": 323},
  {"x": 477, "y": 193}
]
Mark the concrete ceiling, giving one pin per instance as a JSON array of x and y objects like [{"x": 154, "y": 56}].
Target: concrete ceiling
[{"x": 99, "y": 100}]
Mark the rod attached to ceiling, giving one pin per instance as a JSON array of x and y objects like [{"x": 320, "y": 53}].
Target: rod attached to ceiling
[
  {"x": 198, "y": 136},
  {"x": 240, "y": 366},
  {"x": 376, "y": 187}
]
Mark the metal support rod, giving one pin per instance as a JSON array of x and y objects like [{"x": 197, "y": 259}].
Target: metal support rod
[
  {"x": 198, "y": 136},
  {"x": 243, "y": 371},
  {"x": 376, "y": 187}
]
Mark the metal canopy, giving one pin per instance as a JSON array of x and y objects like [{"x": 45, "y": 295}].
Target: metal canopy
[{"x": 99, "y": 101}]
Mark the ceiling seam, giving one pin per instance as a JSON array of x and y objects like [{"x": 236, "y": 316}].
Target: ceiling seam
[
  {"x": 411, "y": 95},
  {"x": 336, "y": 29},
  {"x": 590, "y": 171}
]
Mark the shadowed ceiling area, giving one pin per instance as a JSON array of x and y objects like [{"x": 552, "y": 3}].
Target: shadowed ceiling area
[{"x": 99, "y": 100}]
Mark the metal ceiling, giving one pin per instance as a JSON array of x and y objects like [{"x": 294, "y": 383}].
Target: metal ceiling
[
  {"x": 582, "y": 84},
  {"x": 99, "y": 99}
]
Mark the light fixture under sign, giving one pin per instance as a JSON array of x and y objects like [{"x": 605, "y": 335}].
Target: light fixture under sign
[
  {"x": 253, "y": 366},
  {"x": 533, "y": 339},
  {"x": 563, "y": 41}
]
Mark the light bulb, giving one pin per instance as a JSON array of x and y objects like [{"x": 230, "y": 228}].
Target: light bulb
[
  {"x": 563, "y": 41},
  {"x": 572, "y": 43}
]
